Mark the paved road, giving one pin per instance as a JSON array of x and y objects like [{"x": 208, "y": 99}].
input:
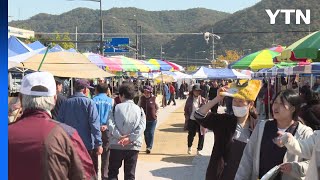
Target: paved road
[{"x": 169, "y": 158}]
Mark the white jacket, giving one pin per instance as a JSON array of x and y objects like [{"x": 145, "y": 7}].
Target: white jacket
[
  {"x": 309, "y": 149},
  {"x": 250, "y": 161}
]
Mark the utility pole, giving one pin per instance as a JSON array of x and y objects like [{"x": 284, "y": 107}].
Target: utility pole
[
  {"x": 101, "y": 49},
  {"x": 137, "y": 38},
  {"x": 140, "y": 46},
  {"x": 101, "y": 30},
  {"x": 76, "y": 37}
]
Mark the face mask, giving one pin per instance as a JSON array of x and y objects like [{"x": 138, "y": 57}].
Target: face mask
[{"x": 240, "y": 111}]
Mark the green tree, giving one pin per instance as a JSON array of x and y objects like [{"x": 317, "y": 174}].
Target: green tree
[
  {"x": 191, "y": 68},
  {"x": 67, "y": 45},
  {"x": 228, "y": 57}
]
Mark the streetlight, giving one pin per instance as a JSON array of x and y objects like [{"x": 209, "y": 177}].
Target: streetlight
[
  {"x": 101, "y": 25},
  {"x": 207, "y": 36}
]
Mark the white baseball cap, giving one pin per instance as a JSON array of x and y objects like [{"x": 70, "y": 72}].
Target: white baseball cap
[{"x": 38, "y": 84}]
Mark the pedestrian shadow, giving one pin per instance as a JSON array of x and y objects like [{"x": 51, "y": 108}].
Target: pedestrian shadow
[
  {"x": 174, "y": 173},
  {"x": 178, "y": 125},
  {"x": 177, "y": 112},
  {"x": 187, "y": 160},
  {"x": 175, "y": 130}
]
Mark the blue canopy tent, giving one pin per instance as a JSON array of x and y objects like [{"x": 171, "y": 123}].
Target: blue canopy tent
[
  {"x": 16, "y": 47},
  {"x": 56, "y": 48},
  {"x": 19, "y": 52},
  {"x": 209, "y": 73},
  {"x": 36, "y": 45},
  {"x": 71, "y": 50}
]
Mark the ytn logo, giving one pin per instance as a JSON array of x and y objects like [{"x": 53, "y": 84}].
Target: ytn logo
[{"x": 287, "y": 13}]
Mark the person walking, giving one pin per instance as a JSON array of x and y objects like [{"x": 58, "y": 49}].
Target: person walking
[
  {"x": 40, "y": 148},
  {"x": 193, "y": 103},
  {"x": 104, "y": 106},
  {"x": 256, "y": 161},
  {"x": 231, "y": 131},
  {"x": 172, "y": 91},
  {"x": 166, "y": 95},
  {"x": 126, "y": 125},
  {"x": 310, "y": 110},
  {"x": 204, "y": 88},
  {"x": 81, "y": 113},
  {"x": 60, "y": 98},
  {"x": 213, "y": 91},
  {"x": 182, "y": 90},
  {"x": 150, "y": 107}
]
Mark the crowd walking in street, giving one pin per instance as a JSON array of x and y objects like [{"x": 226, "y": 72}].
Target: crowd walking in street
[{"x": 73, "y": 132}]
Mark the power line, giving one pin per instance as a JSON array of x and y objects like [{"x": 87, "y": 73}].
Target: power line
[{"x": 181, "y": 33}]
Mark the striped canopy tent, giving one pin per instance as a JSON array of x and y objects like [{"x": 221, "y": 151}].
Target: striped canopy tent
[
  {"x": 103, "y": 62},
  {"x": 255, "y": 61},
  {"x": 278, "y": 48},
  {"x": 175, "y": 66},
  {"x": 151, "y": 66},
  {"x": 129, "y": 64},
  {"x": 162, "y": 65},
  {"x": 142, "y": 67},
  {"x": 306, "y": 48}
]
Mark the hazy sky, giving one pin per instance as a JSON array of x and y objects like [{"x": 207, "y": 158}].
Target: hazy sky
[{"x": 24, "y": 9}]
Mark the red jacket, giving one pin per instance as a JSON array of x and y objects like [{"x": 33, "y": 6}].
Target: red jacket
[
  {"x": 43, "y": 149},
  {"x": 172, "y": 89}
]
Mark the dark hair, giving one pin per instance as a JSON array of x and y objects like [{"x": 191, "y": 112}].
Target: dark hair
[
  {"x": 78, "y": 88},
  {"x": 58, "y": 83},
  {"x": 102, "y": 88},
  {"x": 127, "y": 90},
  {"x": 310, "y": 96},
  {"x": 293, "y": 99}
]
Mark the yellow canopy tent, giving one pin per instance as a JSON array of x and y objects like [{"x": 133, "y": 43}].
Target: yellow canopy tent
[
  {"x": 66, "y": 64},
  {"x": 164, "y": 78}
]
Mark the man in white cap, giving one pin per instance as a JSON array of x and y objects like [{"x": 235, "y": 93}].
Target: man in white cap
[{"x": 39, "y": 147}]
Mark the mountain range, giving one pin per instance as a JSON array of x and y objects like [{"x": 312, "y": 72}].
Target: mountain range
[{"x": 248, "y": 30}]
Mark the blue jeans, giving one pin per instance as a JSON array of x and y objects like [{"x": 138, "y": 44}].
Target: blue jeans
[{"x": 149, "y": 133}]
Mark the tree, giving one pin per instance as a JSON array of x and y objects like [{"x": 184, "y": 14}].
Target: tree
[
  {"x": 57, "y": 38},
  {"x": 30, "y": 40},
  {"x": 229, "y": 57},
  {"x": 67, "y": 45},
  {"x": 191, "y": 68}
]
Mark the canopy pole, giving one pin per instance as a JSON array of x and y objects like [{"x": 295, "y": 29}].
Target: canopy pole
[
  {"x": 112, "y": 84},
  {"x": 45, "y": 54},
  {"x": 268, "y": 103},
  {"x": 311, "y": 81},
  {"x": 71, "y": 84}
]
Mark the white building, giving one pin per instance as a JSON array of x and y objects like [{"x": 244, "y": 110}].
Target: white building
[{"x": 20, "y": 33}]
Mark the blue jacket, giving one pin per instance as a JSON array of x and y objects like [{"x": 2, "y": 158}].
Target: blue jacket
[
  {"x": 104, "y": 105},
  {"x": 81, "y": 113},
  {"x": 166, "y": 89}
]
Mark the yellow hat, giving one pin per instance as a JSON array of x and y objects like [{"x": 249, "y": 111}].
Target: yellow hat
[{"x": 244, "y": 89}]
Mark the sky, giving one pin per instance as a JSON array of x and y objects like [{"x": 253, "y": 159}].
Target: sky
[{"x": 24, "y": 9}]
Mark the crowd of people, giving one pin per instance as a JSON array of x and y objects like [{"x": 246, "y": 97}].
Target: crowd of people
[{"x": 260, "y": 128}]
